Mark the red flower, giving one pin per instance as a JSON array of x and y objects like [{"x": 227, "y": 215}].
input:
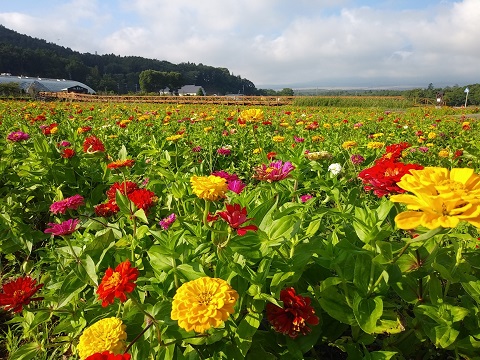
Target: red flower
[
  {"x": 293, "y": 318},
  {"x": 107, "y": 209},
  {"x": 125, "y": 188},
  {"x": 49, "y": 129},
  {"x": 236, "y": 216},
  {"x": 18, "y": 293},
  {"x": 106, "y": 355},
  {"x": 67, "y": 153},
  {"x": 382, "y": 178},
  {"x": 92, "y": 145},
  {"x": 143, "y": 198},
  {"x": 116, "y": 283},
  {"x": 271, "y": 155},
  {"x": 394, "y": 152},
  {"x": 121, "y": 163}
]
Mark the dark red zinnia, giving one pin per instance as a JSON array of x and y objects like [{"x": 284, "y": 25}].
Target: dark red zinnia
[
  {"x": 18, "y": 293},
  {"x": 125, "y": 188},
  {"x": 294, "y": 317}
]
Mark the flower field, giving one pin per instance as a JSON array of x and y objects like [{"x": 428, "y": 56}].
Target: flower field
[{"x": 160, "y": 231}]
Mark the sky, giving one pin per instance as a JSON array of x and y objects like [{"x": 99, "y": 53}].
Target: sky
[{"x": 274, "y": 43}]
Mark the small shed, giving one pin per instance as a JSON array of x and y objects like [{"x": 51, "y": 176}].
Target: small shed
[{"x": 191, "y": 90}]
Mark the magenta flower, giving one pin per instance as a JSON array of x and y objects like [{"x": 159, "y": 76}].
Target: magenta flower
[
  {"x": 226, "y": 175},
  {"x": 224, "y": 151},
  {"x": 168, "y": 221},
  {"x": 65, "y": 228},
  {"x": 276, "y": 171},
  {"x": 305, "y": 198},
  {"x": 298, "y": 139},
  {"x": 17, "y": 136},
  {"x": 72, "y": 203},
  {"x": 357, "y": 159},
  {"x": 64, "y": 143},
  {"x": 197, "y": 149},
  {"x": 236, "y": 186}
]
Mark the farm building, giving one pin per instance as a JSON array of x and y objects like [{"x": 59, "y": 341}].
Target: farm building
[
  {"x": 33, "y": 85},
  {"x": 190, "y": 90}
]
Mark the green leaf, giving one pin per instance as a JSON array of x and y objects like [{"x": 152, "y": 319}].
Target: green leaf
[
  {"x": 122, "y": 154},
  {"x": 368, "y": 312},
  {"x": 91, "y": 269},
  {"x": 140, "y": 214},
  {"x": 362, "y": 273},
  {"x": 71, "y": 286},
  {"x": 473, "y": 289},
  {"x": 246, "y": 330},
  {"x": 335, "y": 305},
  {"x": 380, "y": 355},
  {"x": 123, "y": 203},
  {"x": 26, "y": 352},
  {"x": 190, "y": 271}
]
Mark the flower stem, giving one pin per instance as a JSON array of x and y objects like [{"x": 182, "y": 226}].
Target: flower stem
[{"x": 138, "y": 337}]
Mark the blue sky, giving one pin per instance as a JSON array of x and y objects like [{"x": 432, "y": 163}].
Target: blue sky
[{"x": 274, "y": 43}]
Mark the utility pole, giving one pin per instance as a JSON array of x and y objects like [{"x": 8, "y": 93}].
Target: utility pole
[{"x": 466, "y": 96}]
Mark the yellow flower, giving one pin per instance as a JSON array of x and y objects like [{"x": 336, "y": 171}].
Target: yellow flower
[
  {"x": 432, "y": 135},
  {"x": 327, "y": 126},
  {"x": 174, "y": 137},
  {"x": 105, "y": 335},
  {"x": 317, "y": 138},
  {"x": 208, "y": 128},
  {"x": 284, "y": 124},
  {"x": 124, "y": 122},
  {"x": 375, "y": 145},
  {"x": 278, "y": 138},
  {"x": 54, "y": 130},
  {"x": 319, "y": 155},
  {"x": 257, "y": 150},
  {"x": 203, "y": 303},
  {"x": 441, "y": 198},
  {"x": 377, "y": 135},
  {"x": 209, "y": 187},
  {"x": 252, "y": 115},
  {"x": 443, "y": 153},
  {"x": 349, "y": 144}
]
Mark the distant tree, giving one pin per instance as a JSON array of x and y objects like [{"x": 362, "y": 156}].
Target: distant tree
[
  {"x": 10, "y": 89},
  {"x": 174, "y": 81},
  {"x": 153, "y": 81},
  {"x": 200, "y": 92},
  {"x": 286, "y": 92}
]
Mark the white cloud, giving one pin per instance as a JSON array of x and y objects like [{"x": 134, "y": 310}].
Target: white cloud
[{"x": 276, "y": 41}]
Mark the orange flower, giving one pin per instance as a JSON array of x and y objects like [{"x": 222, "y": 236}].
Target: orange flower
[
  {"x": 116, "y": 283},
  {"x": 121, "y": 163}
]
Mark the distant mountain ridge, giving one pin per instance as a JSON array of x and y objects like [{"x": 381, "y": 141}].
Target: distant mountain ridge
[{"x": 24, "y": 55}]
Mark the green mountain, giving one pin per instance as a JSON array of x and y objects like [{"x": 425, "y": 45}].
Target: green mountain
[{"x": 28, "y": 56}]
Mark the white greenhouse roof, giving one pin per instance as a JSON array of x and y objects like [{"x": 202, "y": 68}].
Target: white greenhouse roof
[{"x": 43, "y": 84}]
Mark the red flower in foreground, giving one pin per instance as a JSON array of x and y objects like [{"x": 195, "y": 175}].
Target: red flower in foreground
[
  {"x": 394, "y": 152},
  {"x": 143, "y": 198},
  {"x": 93, "y": 145},
  {"x": 107, "y": 355},
  {"x": 121, "y": 164},
  {"x": 382, "y": 177},
  {"x": 125, "y": 188},
  {"x": 18, "y": 293},
  {"x": 116, "y": 283},
  {"x": 236, "y": 216},
  {"x": 295, "y": 316},
  {"x": 67, "y": 153},
  {"x": 106, "y": 209}
]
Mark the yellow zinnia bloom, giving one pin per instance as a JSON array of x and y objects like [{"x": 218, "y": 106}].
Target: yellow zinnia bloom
[
  {"x": 375, "y": 145},
  {"x": 252, "y": 115},
  {"x": 174, "y": 137},
  {"x": 317, "y": 138},
  {"x": 432, "y": 135},
  {"x": 105, "y": 335},
  {"x": 441, "y": 198},
  {"x": 443, "y": 153},
  {"x": 209, "y": 187},
  {"x": 257, "y": 150},
  {"x": 203, "y": 303},
  {"x": 349, "y": 144},
  {"x": 278, "y": 138}
]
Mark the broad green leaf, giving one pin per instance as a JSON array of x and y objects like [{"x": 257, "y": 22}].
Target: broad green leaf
[
  {"x": 367, "y": 312},
  {"x": 246, "y": 330},
  {"x": 362, "y": 273},
  {"x": 26, "y": 352}
]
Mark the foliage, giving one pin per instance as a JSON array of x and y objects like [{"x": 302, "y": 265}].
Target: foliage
[{"x": 359, "y": 287}]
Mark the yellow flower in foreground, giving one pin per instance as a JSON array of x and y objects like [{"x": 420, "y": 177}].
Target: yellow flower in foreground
[
  {"x": 349, "y": 144},
  {"x": 441, "y": 198},
  {"x": 252, "y": 115},
  {"x": 203, "y": 303},
  {"x": 375, "y": 145},
  {"x": 209, "y": 187},
  {"x": 105, "y": 335}
]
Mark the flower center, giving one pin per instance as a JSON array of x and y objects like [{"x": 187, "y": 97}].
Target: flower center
[
  {"x": 113, "y": 281},
  {"x": 204, "y": 298},
  {"x": 391, "y": 172},
  {"x": 18, "y": 294},
  {"x": 449, "y": 185}
]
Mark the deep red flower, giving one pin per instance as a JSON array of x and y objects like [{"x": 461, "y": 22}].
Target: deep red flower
[
  {"x": 49, "y": 129},
  {"x": 18, "y": 293},
  {"x": 382, "y": 178},
  {"x": 67, "y": 153},
  {"x": 271, "y": 155},
  {"x": 295, "y": 316},
  {"x": 236, "y": 216},
  {"x": 107, "y": 209},
  {"x": 394, "y": 152},
  {"x": 106, "y": 355},
  {"x": 143, "y": 198},
  {"x": 125, "y": 188},
  {"x": 116, "y": 283},
  {"x": 92, "y": 145}
]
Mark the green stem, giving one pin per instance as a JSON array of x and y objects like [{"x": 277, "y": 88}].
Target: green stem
[
  {"x": 138, "y": 337},
  {"x": 67, "y": 240}
]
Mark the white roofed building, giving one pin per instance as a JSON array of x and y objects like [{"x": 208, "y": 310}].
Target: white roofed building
[{"x": 36, "y": 84}]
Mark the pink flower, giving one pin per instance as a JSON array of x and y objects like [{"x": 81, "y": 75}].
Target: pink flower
[
  {"x": 72, "y": 203},
  {"x": 236, "y": 186},
  {"x": 357, "y": 159},
  {"x": 224, "y": 151},
  {"x": 65, "y": 228},
  {"x": 305, "y": 198},
  {"x": 276, "y": 171},
  {"x": 225, "y": 175},
  {"x": 17, "y": 136},
  {"x": 168, "y": 221}
]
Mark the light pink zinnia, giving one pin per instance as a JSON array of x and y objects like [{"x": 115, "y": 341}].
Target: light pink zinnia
[
  {"x": 72, "y": 203},
  {"x": 65, "y": 228},
  {"x": 276, "y": 171}
]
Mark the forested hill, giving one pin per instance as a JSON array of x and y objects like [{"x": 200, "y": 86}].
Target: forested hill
[{"x": 28, "y": 56}]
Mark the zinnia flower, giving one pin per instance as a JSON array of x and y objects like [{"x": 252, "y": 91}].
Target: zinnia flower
[
  {"x": 318, "y": 155},
  {"x": 276, "y": 171},
  {"x": 440, "y": 198},
  {"x": 65, "y": 228},
  {"x": 357, "y": 159},
  {"x": 394, "y": 152},
  {"x": 236, "y": 186},
  {"x": 67, "y": 153},
  {"x": 121, "y": 164},
  {"x": 224, "y": 151},
  {"x": 106, "y": 209},
  {"x": 382, "y": 178},
  {"x": 143, "y": 198},
  {"x": 105, "y": 335},
  {"x": 252, "y": 115},
  {"x": 209, "y": 187},
  {"x": 93, "y": 145},
  {"x": 375, "y": 145},
  {"x": 295, "y": 316},
  {"x": 125, "y": 188},
  {"x": 107, "y": 355},
  {"x": 226, "y": 175},
  {"x": 236, "y": 216},
  {"x": 349, "y": 144},
  {"x": 70, "y": 203},
  {"x": 203, "y": 303},
  {"x": 17, "y": 136},
  {"x": 335, "y": 168},
  {"x": 168, "y": 221},
  {"x": 305, "y": 198},
  {"x": 18, "y": 293},
  {"x": 116, "y": 283}
]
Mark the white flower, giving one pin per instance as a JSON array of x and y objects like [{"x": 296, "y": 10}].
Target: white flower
[
  {"x": 335, "y": 168},
  {"x": 405, "y": 126}
]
